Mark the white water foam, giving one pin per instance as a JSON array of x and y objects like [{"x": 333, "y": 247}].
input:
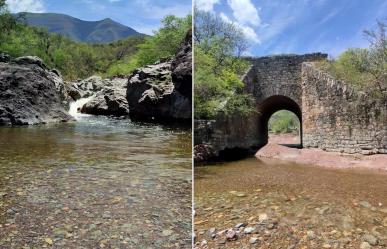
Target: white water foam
[{"x": 77, "y": 105}]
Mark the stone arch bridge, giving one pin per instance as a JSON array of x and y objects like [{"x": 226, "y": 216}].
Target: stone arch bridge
[{"x": 332, "y": 115}]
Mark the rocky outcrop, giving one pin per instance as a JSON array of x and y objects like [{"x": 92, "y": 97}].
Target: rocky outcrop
[
  {"x": 110, "y": 101},
  {"x": 163, "y": 92},
  {"x": 87, "y": 87},
  {"x": 30, "y": 93},
  {"x": 181, "y": 67}
]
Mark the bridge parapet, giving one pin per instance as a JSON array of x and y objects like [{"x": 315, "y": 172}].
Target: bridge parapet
[{"x": 277, "y": 75}]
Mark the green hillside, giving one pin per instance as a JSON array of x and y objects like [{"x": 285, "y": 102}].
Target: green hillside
[
  {"x": 103, "y": 31},
  {"x": 78, "y": 60}
]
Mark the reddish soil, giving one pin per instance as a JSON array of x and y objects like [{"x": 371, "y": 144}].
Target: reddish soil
[{"x": 317, "y": 156}]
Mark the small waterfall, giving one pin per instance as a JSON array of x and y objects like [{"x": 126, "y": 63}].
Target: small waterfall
[{"x": 77, "y": 105}]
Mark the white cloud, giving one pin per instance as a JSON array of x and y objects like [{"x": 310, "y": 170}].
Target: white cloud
[
  {"x": 249, "y": 32},
  {"x": 36, "y": 6},
  {"x": 245, "y": 12},
  {"x": 206, "y": 5},
  {"x": 225, "y": 17}
]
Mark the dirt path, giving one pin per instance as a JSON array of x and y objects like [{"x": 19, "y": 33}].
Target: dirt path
[{"x": 317, "y": 156}]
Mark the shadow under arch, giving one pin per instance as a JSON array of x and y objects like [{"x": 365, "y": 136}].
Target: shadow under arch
[{"x": 273, "y": 104}]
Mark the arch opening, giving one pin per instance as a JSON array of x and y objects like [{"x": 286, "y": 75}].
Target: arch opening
[
  {"x": 284, "y": 129},
  {"x": 279, "y": 106}
]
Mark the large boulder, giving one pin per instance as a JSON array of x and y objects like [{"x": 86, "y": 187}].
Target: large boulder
[
  {"x": 163, "y": 91},
  {"x": 30, "y": 93},
  {"x": 181, "y": 67},
  {"x": 87, "y": 87},
  {"x": 110, "y": 101}
]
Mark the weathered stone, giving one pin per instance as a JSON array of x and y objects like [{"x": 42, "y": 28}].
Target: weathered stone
[
  {"x": 30, "y": 93},
  {"x": 249, "y": 230},
  {"x": 365, "y": 245},
  {"x": 163, "y": 92},
  {"x": 111, "y": 100},
  {"x": 231, "y": 235},
  {"x": 181, "y": 67},
  {"x": 253, "y": 240},
  {"x": 4, "y": 57},
  {"x": 294, "y": 83},
  {"x": 372, "y": 240},
  {"x": 88, "y": 87}
]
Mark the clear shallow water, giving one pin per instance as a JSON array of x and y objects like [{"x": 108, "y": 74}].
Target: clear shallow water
[
  {"x": 98, "y": 182},
  {"x": 304, "y": 206}
]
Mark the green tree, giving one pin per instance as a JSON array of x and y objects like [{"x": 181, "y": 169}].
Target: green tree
[
  {"x": 377, "y": 56},
  {"x": 218, "y": 68},
  {"x": 364, "y": 68},
  {"x": 166, "y": 41}
]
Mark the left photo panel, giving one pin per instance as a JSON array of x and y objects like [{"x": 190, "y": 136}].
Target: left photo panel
[{"x": 95, "y": 124}]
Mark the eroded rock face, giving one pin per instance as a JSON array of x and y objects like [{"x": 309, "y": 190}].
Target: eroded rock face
[
  {"x": 163, "y": 92},
  {"x": 181, "y": 67},
  {"x": 111, "y": 100},
  {"x": 87, "y": 87},
  {"x": 30, "y": 93}
]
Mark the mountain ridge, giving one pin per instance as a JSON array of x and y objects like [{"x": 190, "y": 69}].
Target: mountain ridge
[{"x": 101, "y": 31}]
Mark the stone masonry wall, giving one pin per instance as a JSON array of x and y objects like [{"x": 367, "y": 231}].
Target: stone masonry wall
[
  {"x": 277, "y": 75},
  {"x": 334, "y": 116},
  {"x": 339, "y": 118},
  {"x": 235, "y": 132}
]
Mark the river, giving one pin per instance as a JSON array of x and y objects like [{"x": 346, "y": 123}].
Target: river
[
  {"x": 95, "y": 183},
  {"x": 255, "y": 203}
]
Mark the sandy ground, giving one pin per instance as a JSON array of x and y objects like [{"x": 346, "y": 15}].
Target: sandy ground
[{"x": 317, "y": 156}]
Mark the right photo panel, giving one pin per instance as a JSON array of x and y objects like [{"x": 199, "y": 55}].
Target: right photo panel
[{"x": 290, "y": 124}]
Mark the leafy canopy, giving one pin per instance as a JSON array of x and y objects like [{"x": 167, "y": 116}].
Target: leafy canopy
[
  {"x": 166, "y": 41},
  {"x": 218, "y": 68},
  {"x": 364, "y": 68}
]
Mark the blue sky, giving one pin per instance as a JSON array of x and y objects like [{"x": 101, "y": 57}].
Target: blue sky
[
  {"x": 142, "y": 15},
  {"x": 300, "y": 26}
]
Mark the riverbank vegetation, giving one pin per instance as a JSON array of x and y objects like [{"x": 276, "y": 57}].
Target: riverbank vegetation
[
  {"x": 219, "y": 67},
  {"x": 80, "y": 60},
  {"x": 364, "y": 68}
]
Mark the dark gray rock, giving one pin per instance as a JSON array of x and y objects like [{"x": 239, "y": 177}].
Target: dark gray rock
[
  {"x": 181, "y": 67},
  {"x": 30, "y": 60},
  {"x": 87, "y": 87},
  {"x": 163, "y": 92},
  {"x": 74, "y": 92},
  {"x": 4, "y": 57},
  {"x": 111, "y": 101},
  {"x": 30, "y": 93}
]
